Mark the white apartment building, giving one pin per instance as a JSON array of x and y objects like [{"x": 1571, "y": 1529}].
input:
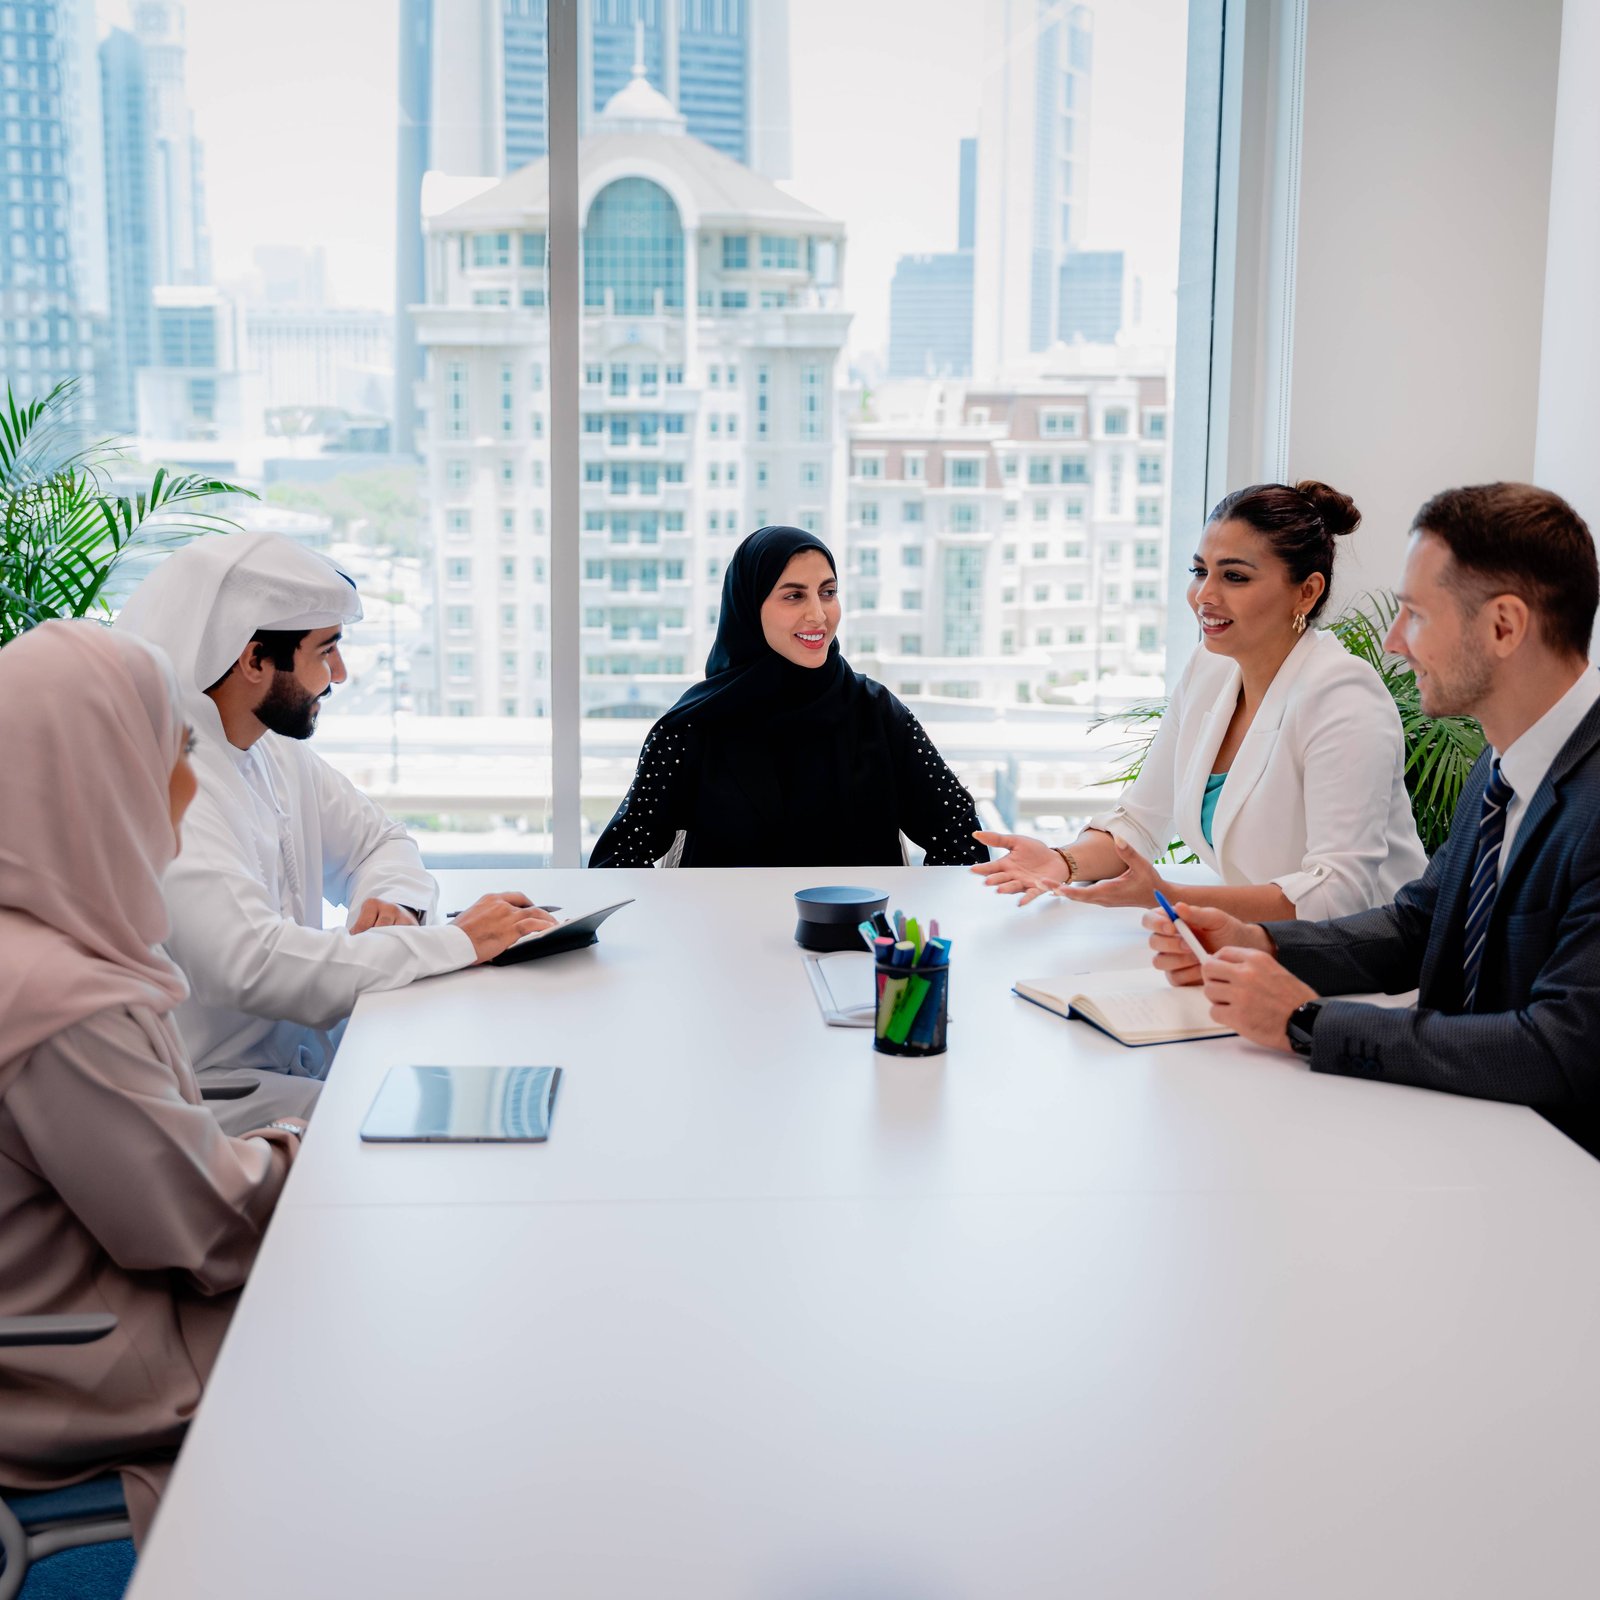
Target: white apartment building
[
  {"x": 711, "y": 333},
  {"x": 1007, "y": 544}
]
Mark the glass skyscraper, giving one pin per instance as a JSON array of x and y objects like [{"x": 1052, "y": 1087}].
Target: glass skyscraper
[
  {"x": 697, "y": 51},
  {"x": 1033, "y": 169},
  {"x": 128, "y": 343},
  {"x": 52, "y": 269},
  {"x": 930, "y": 298},
  {"x": 1091, "y": 296}
]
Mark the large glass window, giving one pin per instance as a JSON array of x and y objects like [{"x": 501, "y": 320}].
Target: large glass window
[
  {"x": 920, "y": 300},
  {"x": 633, "y": 249}
]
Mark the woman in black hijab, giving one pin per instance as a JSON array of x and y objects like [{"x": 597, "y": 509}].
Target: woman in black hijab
[{"x": 782, "y": 755}]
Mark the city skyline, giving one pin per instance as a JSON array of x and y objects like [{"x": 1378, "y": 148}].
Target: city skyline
[{"x": 910, "y": 106}]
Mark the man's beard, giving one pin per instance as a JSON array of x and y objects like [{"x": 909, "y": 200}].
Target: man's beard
[
  {"x": 1461, "y": 689},
  {"x": 288, "y": 709}
]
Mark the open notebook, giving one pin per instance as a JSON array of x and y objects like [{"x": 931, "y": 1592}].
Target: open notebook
[{"x": 1135, "y": 1007}]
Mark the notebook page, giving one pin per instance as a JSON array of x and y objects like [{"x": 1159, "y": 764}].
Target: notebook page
[{"x": 1153, "y": 1013}]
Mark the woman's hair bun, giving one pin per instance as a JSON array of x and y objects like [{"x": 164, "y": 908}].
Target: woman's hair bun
[{"x": 1338, "y": 511}]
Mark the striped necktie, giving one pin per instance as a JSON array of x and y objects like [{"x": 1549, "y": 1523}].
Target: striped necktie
[{"x": 1485, "y": 876}]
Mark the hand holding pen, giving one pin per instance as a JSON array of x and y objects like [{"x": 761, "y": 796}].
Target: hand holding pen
[
  {"x": 496, "y": 921},
  {"x": 1185, "y": 937}
]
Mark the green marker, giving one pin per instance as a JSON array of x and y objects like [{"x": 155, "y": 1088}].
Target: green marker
[{"x": 906, "y": 1012}]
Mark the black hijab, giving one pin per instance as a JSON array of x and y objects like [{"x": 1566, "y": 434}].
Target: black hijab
[
  {"x": 796, "y": 764},
  {"x": 746, "y": 679}
]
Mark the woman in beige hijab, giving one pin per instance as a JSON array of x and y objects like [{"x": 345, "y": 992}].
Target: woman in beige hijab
[{"x": 118, "y": 1191}]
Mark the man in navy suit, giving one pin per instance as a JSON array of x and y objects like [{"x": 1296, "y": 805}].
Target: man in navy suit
[{"x": 1501, "y": 935}]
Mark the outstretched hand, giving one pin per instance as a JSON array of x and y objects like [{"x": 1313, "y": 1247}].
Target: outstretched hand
[{"x": 1029, "y": 867}]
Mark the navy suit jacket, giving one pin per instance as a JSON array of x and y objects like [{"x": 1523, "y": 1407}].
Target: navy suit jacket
[{"x": 1533, "y": 1037}]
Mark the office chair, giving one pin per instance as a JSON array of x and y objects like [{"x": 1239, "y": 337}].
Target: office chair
[{"x": 36, "y": 1525}]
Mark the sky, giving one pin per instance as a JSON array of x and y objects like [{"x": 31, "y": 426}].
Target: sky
[{"x": 295, "y": 106}]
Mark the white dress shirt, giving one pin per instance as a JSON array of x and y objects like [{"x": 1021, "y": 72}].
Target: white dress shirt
[
  {"x": 273, "y": 831},
  {"x": 1527, "y": 759},
  {"x": 1315, "y": 799}
]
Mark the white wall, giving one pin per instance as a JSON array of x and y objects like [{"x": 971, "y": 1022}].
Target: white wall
[
  {"x": 1422, "y": 225},
  {"x": 1567, "y": 453}
]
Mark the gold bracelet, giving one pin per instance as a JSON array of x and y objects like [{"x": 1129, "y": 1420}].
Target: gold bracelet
[{"x": 1067, "y": 856}]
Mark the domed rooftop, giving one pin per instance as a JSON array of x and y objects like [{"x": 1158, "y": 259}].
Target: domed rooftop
[{"x": 638, "y": 107}]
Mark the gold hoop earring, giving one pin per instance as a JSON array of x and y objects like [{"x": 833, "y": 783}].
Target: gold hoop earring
[{"x": 1299, "y": 623}]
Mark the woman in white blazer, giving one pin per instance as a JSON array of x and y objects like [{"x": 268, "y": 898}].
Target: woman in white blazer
[{"x": 1279, "y": 761}]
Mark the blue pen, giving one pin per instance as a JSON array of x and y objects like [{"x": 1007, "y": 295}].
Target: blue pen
[
  {"x": 899, "y": 925},
  {"x": 868, "y": 931},
  {"x": 1185, "y": 932}
]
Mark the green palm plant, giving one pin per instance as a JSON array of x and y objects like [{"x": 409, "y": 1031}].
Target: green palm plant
[
  {"x": 62, "y": 532},
  {"x": 1440, "y": 751}
]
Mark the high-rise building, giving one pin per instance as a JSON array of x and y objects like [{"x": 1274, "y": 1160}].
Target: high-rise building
[
  {"x": 290, "y": 277},
  {"x": 712, "y": 330},
  {"x": 199, "y": 388},
  {"x": 53, "y": 284},
  {"x": 1091, "y": 290},
  {"x": 1032, "y": 183},
  {"x": 317, "y": 356},
  {"x": 930, "y": 297},
  {"x": 930, "y": 316},
  {"x": 967, "y": 204},
  {"x": 128, "y": 339},
  {"x": 181, "y": 239},
  {"x": 1007, "y": 543},
  {"x": 474, "y": 100}
]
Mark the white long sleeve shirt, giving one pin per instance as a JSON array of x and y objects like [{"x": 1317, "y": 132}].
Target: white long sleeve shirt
[{"x": 273, "y": 831}]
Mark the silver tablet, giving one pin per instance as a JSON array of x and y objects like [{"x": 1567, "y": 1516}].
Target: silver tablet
[{"x": 463, "y": 1105}]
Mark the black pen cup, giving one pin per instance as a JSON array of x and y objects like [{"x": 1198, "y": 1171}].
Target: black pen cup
[{"x": 913, "y": 1009}]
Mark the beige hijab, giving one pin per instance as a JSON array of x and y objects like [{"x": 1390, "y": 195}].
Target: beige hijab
[{"x": 90, "y": 728}]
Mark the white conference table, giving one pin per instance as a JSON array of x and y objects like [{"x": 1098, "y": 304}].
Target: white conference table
[{"x": 773, "y": 1316}]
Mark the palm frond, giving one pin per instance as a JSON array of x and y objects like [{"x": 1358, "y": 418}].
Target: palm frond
[
  {"x": 62, "y": 534},
  {"x": 1440, "y": 751}
]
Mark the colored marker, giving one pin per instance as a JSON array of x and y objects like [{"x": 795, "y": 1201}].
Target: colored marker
[
  {"x": 869, "y": 932},
  {"x": 914, "y": 934},
  {"x": 1185, "y": 932},
  {"x": 906, "y": 1012},
  {"x": 889, "y": 994}
]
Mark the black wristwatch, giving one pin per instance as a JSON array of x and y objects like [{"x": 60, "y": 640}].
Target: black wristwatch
[{"x": 1302, "y": 1020}]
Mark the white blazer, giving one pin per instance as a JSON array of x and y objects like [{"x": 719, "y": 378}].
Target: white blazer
[{"x": 1315, "y": 800}]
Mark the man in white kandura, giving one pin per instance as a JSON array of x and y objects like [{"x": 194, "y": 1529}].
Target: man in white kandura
[{"x": 252, "y": 622}]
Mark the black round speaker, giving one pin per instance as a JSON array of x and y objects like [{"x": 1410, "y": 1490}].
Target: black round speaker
[{"x": 828, "y": 916}]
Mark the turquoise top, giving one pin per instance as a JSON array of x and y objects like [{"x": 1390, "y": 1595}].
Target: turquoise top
[{"x": 1208, "y": 802}]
